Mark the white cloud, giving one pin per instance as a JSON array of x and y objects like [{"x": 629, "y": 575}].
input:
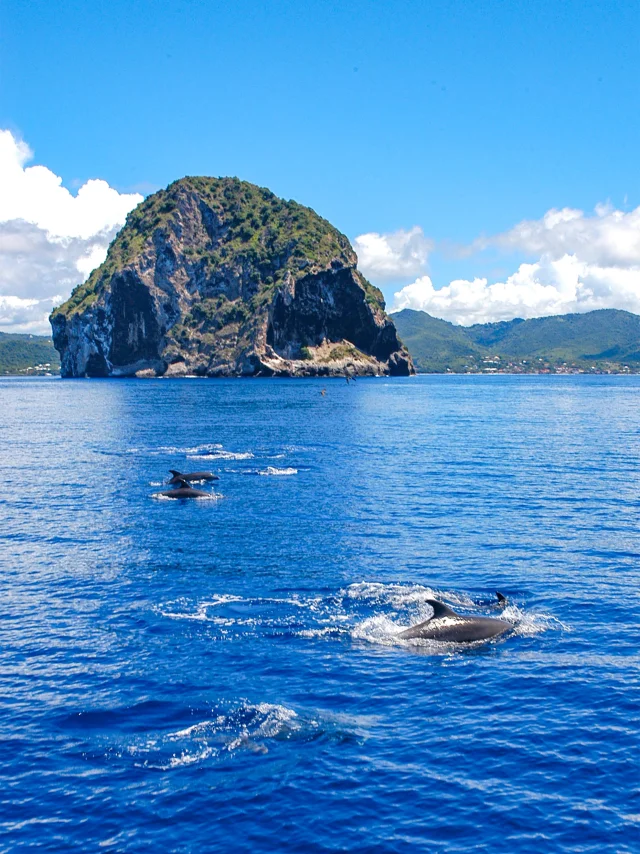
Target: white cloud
[
  {"x": 610, "y": 238},
  {"x": 585, "y": 263},
  {"x": 393, "y": 255},
  {"x": 50, "y": 240}
]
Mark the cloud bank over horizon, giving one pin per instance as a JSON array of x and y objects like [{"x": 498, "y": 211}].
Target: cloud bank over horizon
[
  {"x": 585, "y": 263},
  {"x": 50, "y": 239}
]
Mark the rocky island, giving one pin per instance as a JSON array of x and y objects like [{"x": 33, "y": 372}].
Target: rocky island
[{"x": 218, "y": 277}]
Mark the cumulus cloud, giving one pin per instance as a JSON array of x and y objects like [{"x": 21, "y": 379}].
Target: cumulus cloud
[
  {"x": 610, "y": 238},
  {"x": 586, "y": 263},
  {"x": 393, "y": 255},
  {"x": 50, "y": 239}
]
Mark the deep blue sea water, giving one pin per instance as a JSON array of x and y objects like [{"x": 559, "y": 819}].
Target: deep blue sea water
[{"x": 224, "y": 674}]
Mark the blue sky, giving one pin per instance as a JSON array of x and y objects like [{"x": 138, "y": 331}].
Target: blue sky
[{"x": 462, "y": 118}]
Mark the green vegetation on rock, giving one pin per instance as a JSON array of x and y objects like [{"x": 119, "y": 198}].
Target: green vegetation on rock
[
  {"x": 219, "y": 277},
  {"x": 261, "y": 232}
]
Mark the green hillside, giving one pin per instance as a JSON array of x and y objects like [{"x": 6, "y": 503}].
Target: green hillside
[
  {"x": 27, "y": 354},
  {"x": 434, "y": 344},
  {"x": 605, "y": 340}
]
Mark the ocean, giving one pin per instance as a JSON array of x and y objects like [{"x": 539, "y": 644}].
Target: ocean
[{"x": 224, "y": 674}]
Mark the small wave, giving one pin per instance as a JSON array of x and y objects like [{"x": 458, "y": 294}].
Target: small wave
[
  {"x": 246, "y": 727},
  {"x": 197, "y": 449},
  {"x": 378, "y": 630},
  {"x": 212, "y": 496},
  {"x": 400, "y": 595},
  {"x": 529, "y": 624},
  {"x": 321, "y": 633},
  {"x": 221, "y": 455},
  {"x": 201, "y": 613},
  {"x": 210, "y": 447},
  {"x": 195, "y": 729},
  {"x": 271, "y": 470}
]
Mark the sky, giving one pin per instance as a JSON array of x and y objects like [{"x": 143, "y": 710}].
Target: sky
[{"x": 481, "y": 157}]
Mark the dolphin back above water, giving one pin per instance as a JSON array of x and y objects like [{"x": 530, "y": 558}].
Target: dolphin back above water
[
  {"x": 446, "y": 625},
  {"x": 191, "y": 476},
  {"x": 183, "y": 490}
]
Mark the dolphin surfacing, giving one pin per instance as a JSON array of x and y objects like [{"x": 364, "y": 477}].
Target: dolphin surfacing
[
  {"x": 183, "y": 490},
  {"x": 446, "y": 625},
  {"x": 191, "y": 476}
]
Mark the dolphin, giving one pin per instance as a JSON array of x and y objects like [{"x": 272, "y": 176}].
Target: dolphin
[
  {"x": 446, "y": 625},
  {"x": 191, "y": 476},
  {"x": 499, "y": 602},
  {"x": 183, "y": 490}
]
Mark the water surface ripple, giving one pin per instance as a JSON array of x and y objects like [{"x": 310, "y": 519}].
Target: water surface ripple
[{"x": 226, "y": 675}]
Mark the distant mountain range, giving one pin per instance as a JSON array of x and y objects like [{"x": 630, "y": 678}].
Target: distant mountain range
[
  {"x": 27, "y": 354},
  {"x": 605, "y": 340}
]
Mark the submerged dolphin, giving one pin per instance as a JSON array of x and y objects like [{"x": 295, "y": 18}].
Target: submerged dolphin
[
  {"x": 192, "y": 475},
  {"x": 499, "y": 602},
  {"x": 183, "y": 490},
  {"x": 446, "y": 625}
]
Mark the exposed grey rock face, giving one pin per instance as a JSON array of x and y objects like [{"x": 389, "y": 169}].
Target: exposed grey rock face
[{"x": 217, "y": 277}]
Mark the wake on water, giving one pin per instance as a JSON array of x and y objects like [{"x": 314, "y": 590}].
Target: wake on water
[
  {"x": 216, "y": 732},
  {"x": 212, "y": 496},
  {"x": 371, "y": 612}
]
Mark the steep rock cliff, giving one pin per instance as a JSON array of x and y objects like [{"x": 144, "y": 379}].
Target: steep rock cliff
[{"x": 218, "y": 277}]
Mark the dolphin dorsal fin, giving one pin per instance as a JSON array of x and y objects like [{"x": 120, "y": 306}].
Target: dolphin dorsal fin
[
  {"x": 501, "y": 597},
  {"x": 174, "y": 472},
  {"x": 183, "y": 484},
  {"x": 440, "y": 610}
]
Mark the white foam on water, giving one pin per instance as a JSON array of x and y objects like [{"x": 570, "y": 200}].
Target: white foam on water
[
  {"x": 197, "y": 449},
  {"x": 209, "y": 447},
  {"x": 529, "y": 624},
  {"x": 271, "y": 470},
  {"x": 241, "y": 728},
  {"x": 188, "y": 758},
  {"x": 400, "y": 595},
  {"x": 201, "y": 612},
  {"x": 212, "y": 496},
  {"x": 183, "y": 609},
  {"x": 320, "y": 633},
  {"x": 378, "y": 630},
  {"x": 200, "y": 728},
  {"x": 274, "y": 717},
  {"x": 221, "y": 455},
  {"x": 312, "y": 603}
]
